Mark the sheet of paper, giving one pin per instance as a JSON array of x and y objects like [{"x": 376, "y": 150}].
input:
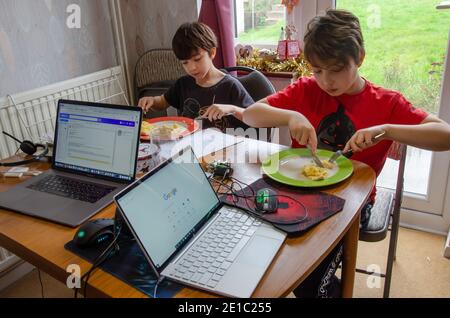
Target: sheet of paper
[{"x": 203, "y": 143}]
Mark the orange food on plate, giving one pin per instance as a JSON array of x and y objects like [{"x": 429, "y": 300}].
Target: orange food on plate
[{"x": 146, "y": 127}]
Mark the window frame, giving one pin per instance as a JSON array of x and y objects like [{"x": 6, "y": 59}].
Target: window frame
[{"x": 300, "y": 15}]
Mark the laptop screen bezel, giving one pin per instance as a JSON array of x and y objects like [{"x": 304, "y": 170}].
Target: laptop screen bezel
[
  {"x": 196, "y": 228},
  {"x": 113, "y": 106}
]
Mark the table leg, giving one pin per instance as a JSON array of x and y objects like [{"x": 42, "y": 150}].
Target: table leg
[{"x": 349, "y": 259}]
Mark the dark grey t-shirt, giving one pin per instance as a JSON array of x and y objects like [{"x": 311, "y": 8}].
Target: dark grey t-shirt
[{"x": 189, "y": 98}]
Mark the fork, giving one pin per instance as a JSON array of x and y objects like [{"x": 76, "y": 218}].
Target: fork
[
  {"x": 349, "y": 153},
  {"x": 200, "y": 117}
]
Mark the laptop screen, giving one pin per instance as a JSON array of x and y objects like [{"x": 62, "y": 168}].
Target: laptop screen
[
  {"x": 97, "y": 140},
  {"x": 168, "y": 206}
]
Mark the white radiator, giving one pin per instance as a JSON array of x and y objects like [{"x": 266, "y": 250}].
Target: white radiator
[{"x": 31, "y": 115}]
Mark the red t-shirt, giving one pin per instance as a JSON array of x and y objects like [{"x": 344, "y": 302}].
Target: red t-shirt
[{"x": 336, "y": 119}]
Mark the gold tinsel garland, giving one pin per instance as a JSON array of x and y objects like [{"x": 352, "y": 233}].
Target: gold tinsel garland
[{"x": 270, "y": 63}]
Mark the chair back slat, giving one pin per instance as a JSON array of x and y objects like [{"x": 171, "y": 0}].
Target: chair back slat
[
  {"x": 157, "y": 65},
  {"x": 395, "y": 151}
]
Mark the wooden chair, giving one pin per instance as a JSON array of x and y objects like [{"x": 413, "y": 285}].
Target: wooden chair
[
  {"x": 257, "y": 85},
  {"x": 385, "y": 212},
  {"x": 255, "y": 82},
  {"x": 156, "y": 71}
]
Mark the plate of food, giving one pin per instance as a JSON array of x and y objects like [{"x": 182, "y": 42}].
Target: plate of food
[
  {"x": 168, "y": 128},
  {"x": 296, "y": 167}
]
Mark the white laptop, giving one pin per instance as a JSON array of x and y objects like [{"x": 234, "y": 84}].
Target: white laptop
[{"x": 190, "y": 236}]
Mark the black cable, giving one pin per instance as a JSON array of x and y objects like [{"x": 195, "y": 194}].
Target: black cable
[
  {"x": 101, "y": 260},
  {"x": 97, "y": 262},
  {"x": 221, "y": 182},
  {"x": 40, "y": 281},
  {"x": 241, "y": 182},
  {"x": 246, "y": 197},
  {"x": 11, "y": 136}
]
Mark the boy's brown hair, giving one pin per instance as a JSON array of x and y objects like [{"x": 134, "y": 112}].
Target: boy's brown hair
[
  {"x": 334, "y": 38},
  {"x": 190, "y": 37}
]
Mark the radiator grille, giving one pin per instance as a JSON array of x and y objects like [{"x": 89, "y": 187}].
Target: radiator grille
[{"x": 31, "y": 115}]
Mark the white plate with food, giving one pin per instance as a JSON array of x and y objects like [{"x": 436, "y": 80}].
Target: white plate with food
[{"x": 168, "y": 128}]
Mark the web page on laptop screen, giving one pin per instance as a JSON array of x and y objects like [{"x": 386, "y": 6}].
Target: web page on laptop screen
[
  {"x": 97, "y": 140},
  {"x": 165, "y": 208}
]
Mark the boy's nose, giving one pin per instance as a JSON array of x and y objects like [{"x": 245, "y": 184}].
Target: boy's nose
[{"x": 192, "y": 68}]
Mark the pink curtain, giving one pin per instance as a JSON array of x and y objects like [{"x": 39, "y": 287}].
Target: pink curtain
[{"x": 217, "y": 14}]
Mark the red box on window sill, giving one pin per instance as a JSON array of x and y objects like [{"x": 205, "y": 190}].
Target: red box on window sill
[{"x": 288, "y": 49}]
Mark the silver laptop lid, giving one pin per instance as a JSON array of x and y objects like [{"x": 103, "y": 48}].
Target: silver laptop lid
[
  {"x": 168, "y": 206},
  {"x": 96, "y": 139}
]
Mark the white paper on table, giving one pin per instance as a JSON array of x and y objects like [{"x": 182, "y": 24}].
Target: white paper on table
[
  {"x": 203, "y": 143},
  {"x": 16, "y": 172}
]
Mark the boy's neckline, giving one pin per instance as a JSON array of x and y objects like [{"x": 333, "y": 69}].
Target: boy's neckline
[
  {"x": 214, "y": 84},
  {"x": 366, "y": 82}
]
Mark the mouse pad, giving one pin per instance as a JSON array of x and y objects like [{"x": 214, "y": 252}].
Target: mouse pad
[
  {"x": 129, "y": 265},
  {"x": 308, "y": 208}
]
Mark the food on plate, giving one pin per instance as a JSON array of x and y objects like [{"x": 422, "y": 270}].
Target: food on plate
[
  {"x": 165, "y": 130},
  {"x": 146, "y": 127},
  {"x": 316, "y": 173},
  {"x": 327, "y": 164}
]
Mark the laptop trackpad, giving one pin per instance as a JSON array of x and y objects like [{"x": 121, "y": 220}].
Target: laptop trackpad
[{"x": 259, "y": 251}]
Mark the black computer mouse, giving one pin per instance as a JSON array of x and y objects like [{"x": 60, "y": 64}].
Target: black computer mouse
[
  {"x": 94, "y": 232},
  {"x": 266, "y": 200}
]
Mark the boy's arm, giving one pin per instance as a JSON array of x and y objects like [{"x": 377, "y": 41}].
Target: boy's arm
[
  {"x": 217, "y": 111},
  {"x": 261, "y": 114},
  {"x": 431, "y": 134},
  {"x": 155, "y": 103}
]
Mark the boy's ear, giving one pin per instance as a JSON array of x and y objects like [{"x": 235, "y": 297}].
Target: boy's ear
[
  {"x": 362, "y": 56},
  {"x": 213, "y": 52}
]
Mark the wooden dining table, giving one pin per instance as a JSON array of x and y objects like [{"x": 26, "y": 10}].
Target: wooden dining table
[{"x": 41, "y": 242}]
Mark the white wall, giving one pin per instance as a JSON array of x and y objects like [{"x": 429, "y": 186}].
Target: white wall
[{"x": 37, "y": 48}]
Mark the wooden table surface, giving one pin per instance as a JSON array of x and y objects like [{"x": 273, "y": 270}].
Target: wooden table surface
[{"x": 41, "y": 243}]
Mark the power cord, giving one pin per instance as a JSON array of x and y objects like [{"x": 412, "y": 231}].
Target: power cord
[
  {"x": 98, "y": 261},
  {"x": 160, "y": 279},
  {"x": 40, "y": 281}
]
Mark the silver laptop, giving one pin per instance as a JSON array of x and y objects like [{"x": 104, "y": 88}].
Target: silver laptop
[
  {"x": 189, "y": 236},
  {"x": 94, "y": 158}
]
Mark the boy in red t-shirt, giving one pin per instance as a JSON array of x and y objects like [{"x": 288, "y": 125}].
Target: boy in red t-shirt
[{"x": 338, "y": 109}]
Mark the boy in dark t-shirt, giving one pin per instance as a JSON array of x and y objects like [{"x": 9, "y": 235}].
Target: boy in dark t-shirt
[
  {"x": 205, "y": 91},
  {"x": 193, "y": 100},
  {"x": 338, "y": 109}
]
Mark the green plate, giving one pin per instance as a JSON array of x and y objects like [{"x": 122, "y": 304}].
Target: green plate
[{"x": 286, "y": 166}]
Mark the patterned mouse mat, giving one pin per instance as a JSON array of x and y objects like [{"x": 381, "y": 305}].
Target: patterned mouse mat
[{"x": 298, "y": 209}]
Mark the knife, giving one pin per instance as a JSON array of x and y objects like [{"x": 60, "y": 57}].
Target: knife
[
  {"x": 349, "y": 153},
  {"x": 315, "y": 158}
]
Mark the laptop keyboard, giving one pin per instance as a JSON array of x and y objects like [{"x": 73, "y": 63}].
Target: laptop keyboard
[
  {"x": 72, "y": 188},
  {"x": 207, "y": 261}
]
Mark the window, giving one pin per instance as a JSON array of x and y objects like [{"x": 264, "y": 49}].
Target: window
[
  {"x": 406, "y": 43},
  {"x": 258, "y": 21}
]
